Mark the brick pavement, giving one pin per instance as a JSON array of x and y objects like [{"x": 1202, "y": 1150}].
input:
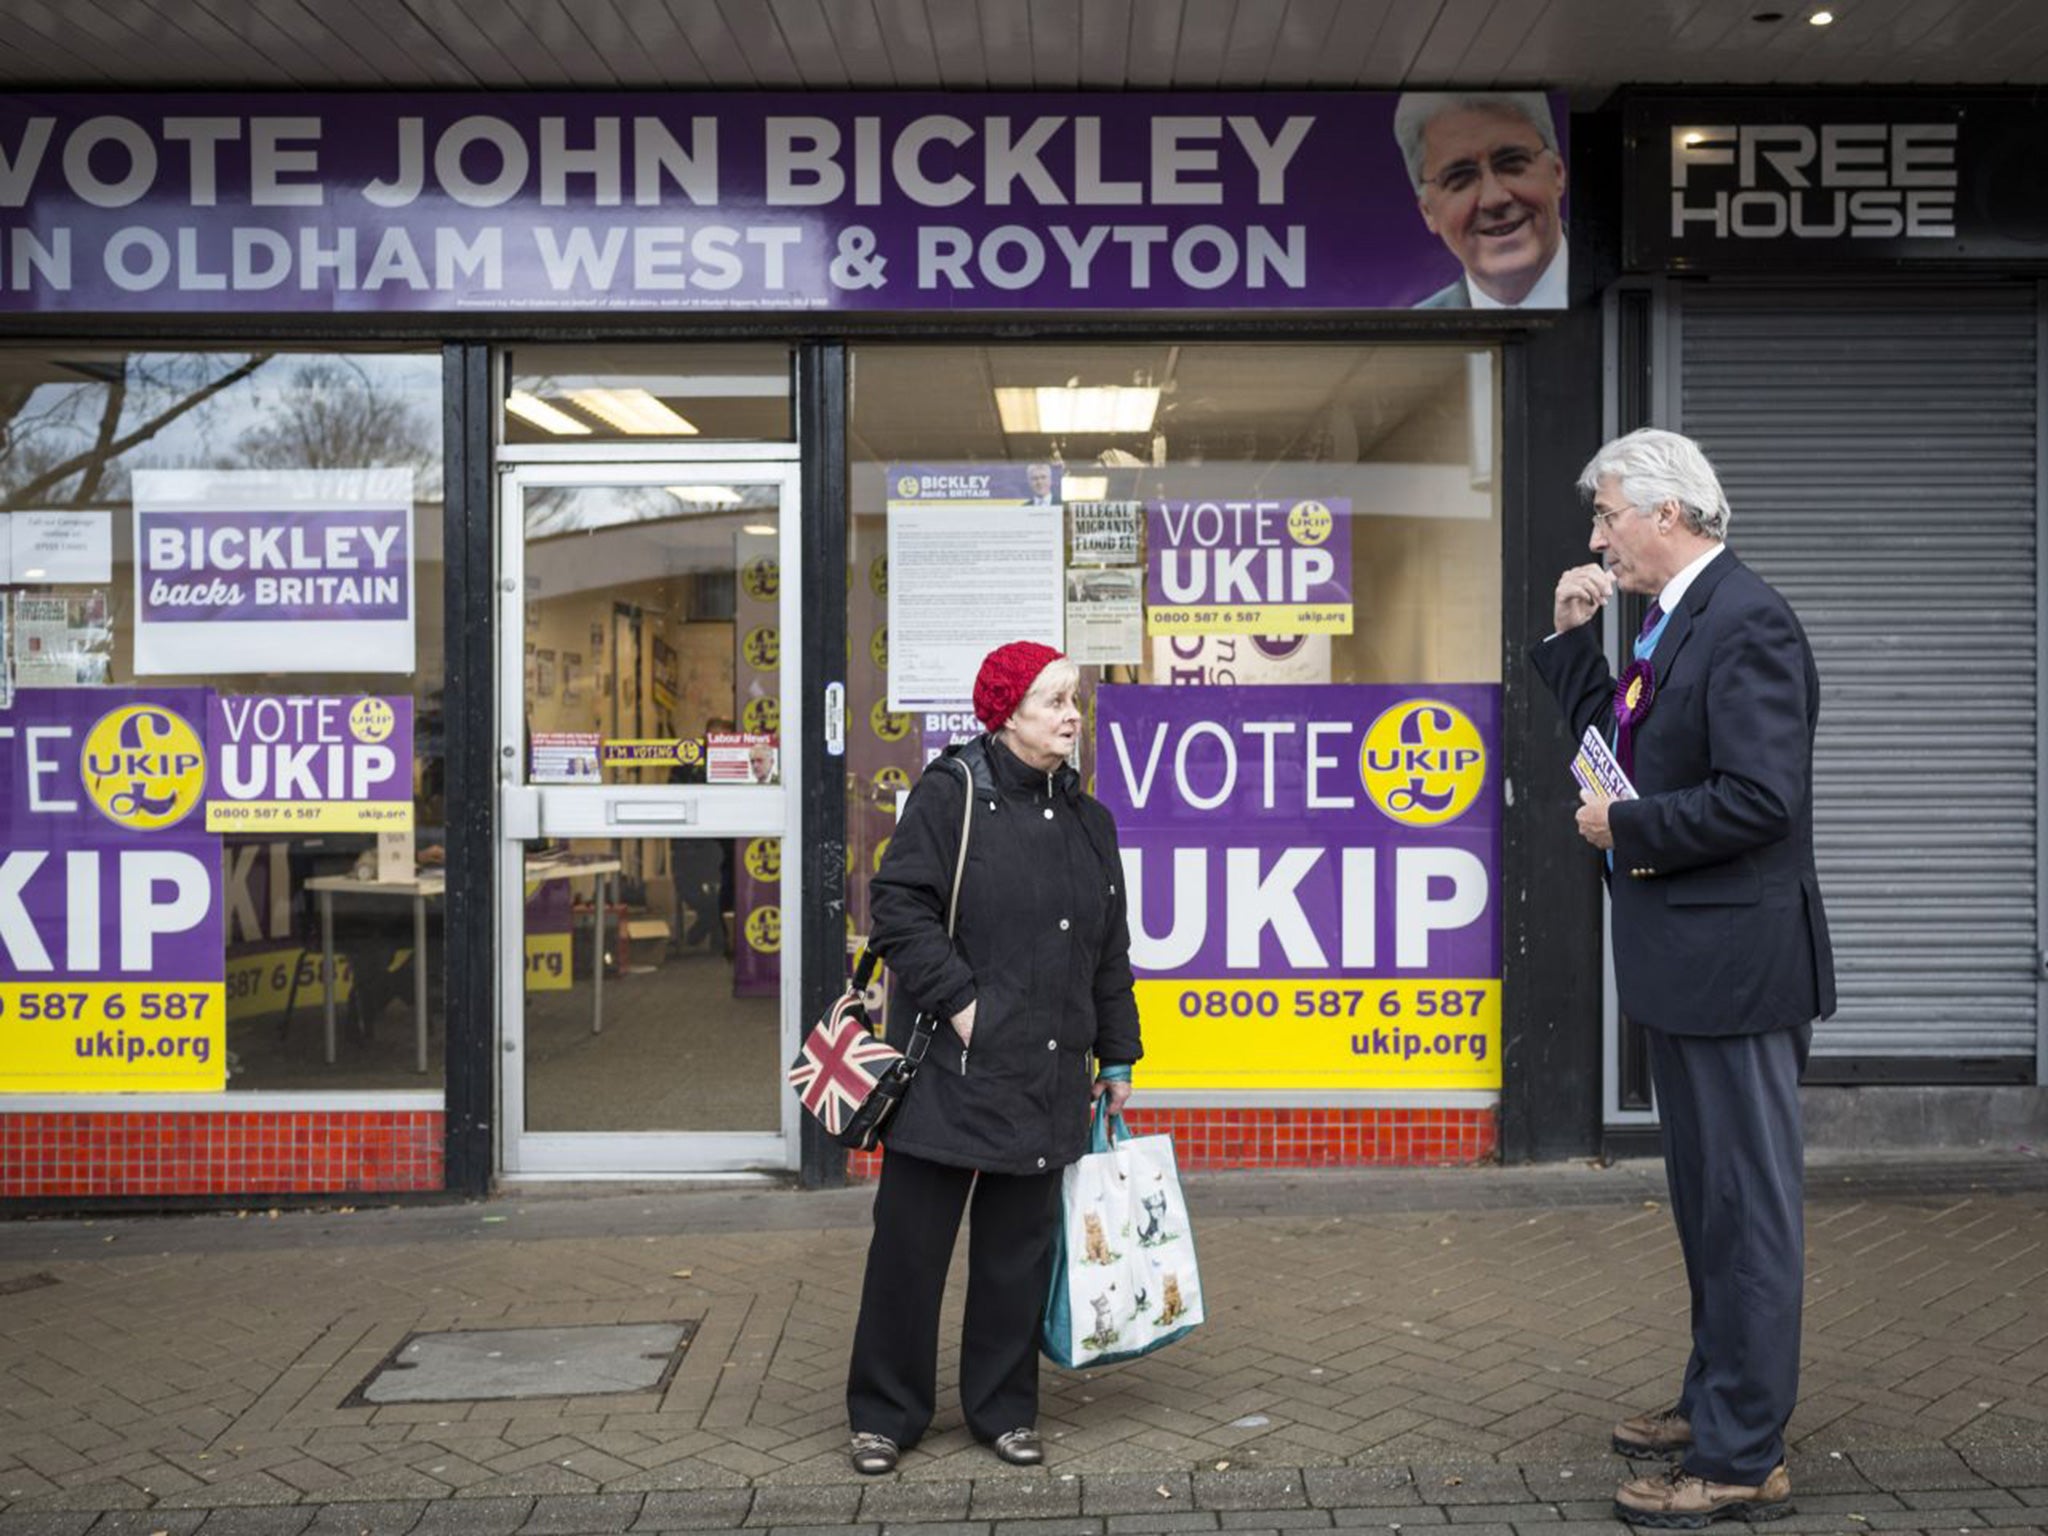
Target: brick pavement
[{"x": 1384, "y": 1351}]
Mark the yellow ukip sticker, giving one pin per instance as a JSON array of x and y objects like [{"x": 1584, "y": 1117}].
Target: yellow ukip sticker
[
  {"x": 888, "y": 726},
  {"x": 764, "y": 859},
  {"x": 1309, "y": 522},
  {"x": 764, "y": 930},
  {"x": 761, "y": 578}
]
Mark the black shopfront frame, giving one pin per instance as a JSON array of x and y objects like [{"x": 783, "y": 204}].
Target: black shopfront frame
[{"x": 1550, "y": 898}]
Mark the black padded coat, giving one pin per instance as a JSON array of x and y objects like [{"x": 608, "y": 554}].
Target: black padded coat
[{"x": 1042, "y": 948}]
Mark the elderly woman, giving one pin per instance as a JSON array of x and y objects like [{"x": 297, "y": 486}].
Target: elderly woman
[{"x": 1037, "y": 1018}]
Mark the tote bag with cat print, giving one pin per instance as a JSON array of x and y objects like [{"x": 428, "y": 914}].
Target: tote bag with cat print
[{"x": 1124, "y": 1277}]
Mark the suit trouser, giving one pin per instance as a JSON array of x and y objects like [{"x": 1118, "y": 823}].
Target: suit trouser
[
  {"x": 1734, "y": 1155},
  {"x": 892, "y": 1384}
]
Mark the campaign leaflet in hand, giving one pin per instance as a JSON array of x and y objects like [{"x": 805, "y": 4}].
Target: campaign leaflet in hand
[{"x": 1595, "y": 768}]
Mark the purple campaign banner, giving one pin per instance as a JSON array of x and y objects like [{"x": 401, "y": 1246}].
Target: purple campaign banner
[
  {"x": 1290, "y": 832},
  {"x": 106, "y": 870},
  {"x": 254, "y": 567},
  {"x": 910, "y": 202},
  {"x": 1019, "y": 483}
]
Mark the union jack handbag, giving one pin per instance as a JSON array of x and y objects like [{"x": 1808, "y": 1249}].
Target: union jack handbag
[{"x": 849, "y": 1079}]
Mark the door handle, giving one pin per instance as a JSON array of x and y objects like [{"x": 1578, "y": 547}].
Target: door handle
[{"x": 645, "y": 813}]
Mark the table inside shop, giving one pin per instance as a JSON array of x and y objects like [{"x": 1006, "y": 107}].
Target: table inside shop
[{"x": 429, "y": 883}]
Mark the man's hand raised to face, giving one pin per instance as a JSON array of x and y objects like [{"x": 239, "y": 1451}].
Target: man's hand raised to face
[{"x": 1582, "y": 592}]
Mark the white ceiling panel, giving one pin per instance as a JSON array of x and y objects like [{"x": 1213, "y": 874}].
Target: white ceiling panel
[{"x": 1587, "y": 47}]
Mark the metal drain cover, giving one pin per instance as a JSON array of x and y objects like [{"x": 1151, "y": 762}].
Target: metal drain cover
[{"x": 491, "y": 1363}]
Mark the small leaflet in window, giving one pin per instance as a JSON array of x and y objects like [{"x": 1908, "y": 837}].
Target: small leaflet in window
[
  {"x": 565, "y": 757},
  {"x": 1104, "y": 532},
  {"x": 6, "y": 659},
  {"x": 1105, "y": 617},
  {"x": 733, "y": 757},
  {"x": 62, "y": 641}
]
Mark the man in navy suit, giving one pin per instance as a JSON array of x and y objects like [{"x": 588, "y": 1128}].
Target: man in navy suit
[{"x": 1720, "y": 943}]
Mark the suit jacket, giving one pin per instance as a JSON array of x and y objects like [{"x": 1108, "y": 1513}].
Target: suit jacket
[
  {"x": 1453, "y": 297},
  {"x": 1718, "y": 923}
]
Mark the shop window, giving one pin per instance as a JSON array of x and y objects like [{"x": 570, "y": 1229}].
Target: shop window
[
  {"x": 172, "y": 919},
  {"x": 1225, "y": 518},
  {"x": 590, "y": 393}
]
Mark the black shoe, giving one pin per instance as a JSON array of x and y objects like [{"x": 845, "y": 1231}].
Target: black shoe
[
  {"x": 872, "y": 1455},
  {"x": 1020, "y": 1448}
]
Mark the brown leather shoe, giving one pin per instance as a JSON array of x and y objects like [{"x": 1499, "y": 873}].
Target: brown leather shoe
[
  {"x": 1678, "y": 1501},
  {"x": 1663, "y": 1433}
]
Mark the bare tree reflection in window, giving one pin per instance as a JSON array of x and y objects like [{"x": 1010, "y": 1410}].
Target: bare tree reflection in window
[{"x": 68, "y": 425}]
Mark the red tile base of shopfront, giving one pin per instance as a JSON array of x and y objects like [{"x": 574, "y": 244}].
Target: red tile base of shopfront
[
  {"x": 1205, "y": 1139},
  {"x": 194, "y": 1153}
]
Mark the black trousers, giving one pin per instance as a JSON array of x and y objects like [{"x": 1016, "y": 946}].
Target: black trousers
[
  {"x": 1734, "y": 1155},
  {"x": 892, "y": 1385}
]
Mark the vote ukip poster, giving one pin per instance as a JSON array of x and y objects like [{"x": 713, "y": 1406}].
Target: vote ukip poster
[
  {"x": 1312, "y": 879},
  {"x": 111, "y": 953},
  {"x": 1248, "y": 566}
]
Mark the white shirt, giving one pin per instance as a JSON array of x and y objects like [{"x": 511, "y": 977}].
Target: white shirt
[
  {"x": 1549, "y": 292},
  {"x": 1675, "y": 589}
]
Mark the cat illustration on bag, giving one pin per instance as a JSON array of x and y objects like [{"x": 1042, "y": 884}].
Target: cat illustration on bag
[
  {"x": 1106, "y": 1332},
  {"x": 1172, "y": 1307},
  {"x": 1095, "y": 1247},
  {"x": 1152, "y": 1220}
]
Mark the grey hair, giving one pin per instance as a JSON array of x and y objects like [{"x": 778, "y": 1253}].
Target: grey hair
[
  {"x": 1052, "y": 677},
  {"x": 1416, "y": 110},
  {"x": 1652, "y": 467}
]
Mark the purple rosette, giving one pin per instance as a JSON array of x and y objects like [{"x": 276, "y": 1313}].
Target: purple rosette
[{"x": 1634, "y": 693}]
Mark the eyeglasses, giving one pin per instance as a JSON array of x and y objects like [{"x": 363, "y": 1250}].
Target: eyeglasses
[
  {"x": 1510, "y": 164},
  {"x": 1604, "y": 520}
]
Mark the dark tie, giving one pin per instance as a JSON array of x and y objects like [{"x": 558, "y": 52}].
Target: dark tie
[{"x": 1650, "y": 622}]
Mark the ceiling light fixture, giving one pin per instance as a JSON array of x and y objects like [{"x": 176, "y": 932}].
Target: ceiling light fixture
[
  {"x": 1692, "y": 139},
  {"x": 537, "y": 412},
  {"x": 1085, "y": 488},
  {"x": 1049, "y": 410},
  {"x": 706, "y": 495},
  {"x": 1821, "y": 19},
  {"x": 632, "y": 411},
  {"x": 760, "y": 530}
]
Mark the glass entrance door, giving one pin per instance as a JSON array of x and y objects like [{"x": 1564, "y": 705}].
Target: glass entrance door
[{"x": 647, "y": 786}]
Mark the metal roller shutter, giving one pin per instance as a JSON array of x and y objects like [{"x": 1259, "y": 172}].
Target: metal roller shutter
[{"x": 1879, "y": 455}]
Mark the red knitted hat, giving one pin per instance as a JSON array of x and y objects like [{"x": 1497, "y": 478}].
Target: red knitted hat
[{"x": 1006, "y": 675}]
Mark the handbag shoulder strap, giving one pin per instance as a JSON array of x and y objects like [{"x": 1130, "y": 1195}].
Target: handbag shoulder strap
[
  {"x": 960, "y": 862},
  {"x": 864, "y": 972}
]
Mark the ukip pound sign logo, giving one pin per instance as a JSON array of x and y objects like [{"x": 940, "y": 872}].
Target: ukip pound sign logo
[
  {"x": 144, "y": 767},
  {"x": 1423, "y": 762},
  {"x": 764, "y": 930}
]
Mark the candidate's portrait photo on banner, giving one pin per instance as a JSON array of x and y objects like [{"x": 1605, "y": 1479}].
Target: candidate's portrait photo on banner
[{"x": 1489, "y": 174}]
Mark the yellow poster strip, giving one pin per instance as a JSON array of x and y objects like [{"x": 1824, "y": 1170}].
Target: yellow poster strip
[
  {"x": 1332, "y": 1033},
  {"x": 308, "y": 815},
  {"x": 260, "y": 984},
  {"x": 1250, "y": 619},
  {"x": 547, "y": 962},
  {"x": 113, "y": 1037}
]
